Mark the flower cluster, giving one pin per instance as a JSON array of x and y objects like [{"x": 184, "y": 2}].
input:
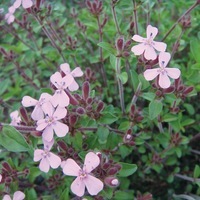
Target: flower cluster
[
  {"x": 47, "y": 112},
  {"x": 148, "y": 47}
]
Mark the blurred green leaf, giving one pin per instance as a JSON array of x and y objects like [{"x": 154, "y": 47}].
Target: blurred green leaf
[
  {"x": 127, "y": 169},
  {"x": 13, "y": 140},
  {"x": 155, "y": 108},
  {"x": 102, "y": 133},
  {"x": 108, "y": 118},
  {"x": 123, "y": 77},
  {"x": 108, "y": 47}
]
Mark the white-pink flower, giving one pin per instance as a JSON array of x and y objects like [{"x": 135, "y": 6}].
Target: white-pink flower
[
  {"x": 37, "y": 113},
  {"x": 18, "y": 195},
  {"x": 1, "y": 178},
  {"x": 50, "y": 123},
  {"x": 47, "y": 159},
  {"x": 25, "y": 3},
  {"x": 148, "y": 45},
  {"x": 15, "y": 118},
  {"x": 9, "y": 17},
  {"x": 84, "y": 178},
  {"x": 77, "y": 72},
  {"x": 163, "y": 72},
  {"x": 60, "y": 98}
]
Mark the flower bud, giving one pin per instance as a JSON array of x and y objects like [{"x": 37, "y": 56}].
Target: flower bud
[
  {"x": 100, "y": 106},
  {"x": 70, "y": 151},
  {"x": 24, "y": 114},
  {"x": 106, "y": 166},
  {"x": 112, "y": 171},
  {"x": 126, "y": 54},
  {"x": 8, "y": 180},
  {"x": 62, "y": 145},
  {"x": 188, "y": 90},
  {"x": 86, "y": 90},
  {"x": 111, "y": 181},
  {"x": 89, "y": 100},
  {"x": 169, "y": 89},
  {"x": 120, "y": 44},
  {"x": 132, "y": 109},
  {"x": 80, "y": 111},
  {"x": 72, "y": 120},
  {"x": 7, "y": 166}
]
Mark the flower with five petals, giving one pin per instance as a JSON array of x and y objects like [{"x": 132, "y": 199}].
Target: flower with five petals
[
  {"x": 83, "y": 176},
  {"x": 148, "y": 45},
  {"x": 163, "y": 72}
]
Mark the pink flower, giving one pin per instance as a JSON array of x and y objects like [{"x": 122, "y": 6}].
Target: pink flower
[
  {"x": 148, "y": 45},
  {"x": 9, "y": 17},
  {"x": 18, "y": 195},
  {"x": 1, "y": 178},
  {"x": 46, "y": 158},
  {"x": 163, "y": 71},
  {"x": 60, "y": 98},
  {"x": 15, "y": 118},
  {"x": 25, "y": 3},
  {"x": 77, "y": 72},
  {"x": 50, "y": 123},
  {"x": 37, "y": 113},
  {"x": 84, "y": 179}
]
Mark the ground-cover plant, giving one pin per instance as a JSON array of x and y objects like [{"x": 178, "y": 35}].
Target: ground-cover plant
[{"x": 99, "y": 99}]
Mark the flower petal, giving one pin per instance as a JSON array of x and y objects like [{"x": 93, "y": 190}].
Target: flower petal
[
  {"x": 48, "y": 145},
  {"x": 65, "y": 68},
  {"x": 150, "y": 53},
  {"x": 38, "y": 155},
  {"x": 28, "y": 101},
  {"x": 159, "y": 46},
  {"x": 9, "y": 18},
  {"x": 93, "y": 184},
  {"x": 18, "y": 195},
  {"x": 54, "y": 160},
  {"x": 173, "y": 72},
  {"x": 55, "y": 79},
  {"x": 67, "y": 80},
  {"x": 44, "y": 165},
  {"x": 71, "y": 168},
  {"x": 150, "y": 74},
  {"x": 138, "y": 49},
  {"x": 74, "y": 86},
  {"x": 78, "y": 187},
  {"x": 151, "y": 31},
  {"x": 164, "y": 81},
  {"x": 48, "y": 134},
  {"x": 41, "y": 124},
  {"x": 164, "y": 58},
  {"x": 60, "y": 129},
  {"x": 26, "y": 4},
  {"x": 138, "y": 38},
  {"x": 91, "y": 162},
  {"x": 60, "y": 98},
  {"x": 17, "y": 3},
  {"x": 11, "y": 9},
  {"x": 77, "y": 72},
  {"x": 6, "y": 197},
  {"x": 60, "y": 113},
  {"x": 37, "y": 113}
]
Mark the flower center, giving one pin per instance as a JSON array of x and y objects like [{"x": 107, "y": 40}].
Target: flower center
[
  {"x": 49, "y": 120},
  {"x": 45, "y": 153},
  {"x": 82, "y": 174}
]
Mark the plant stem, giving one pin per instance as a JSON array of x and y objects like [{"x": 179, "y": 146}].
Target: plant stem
[
  {"x": 179, "y": 19},
  {"x": 187, "y": 178},
  {"x": 120, "y": 85},
  {"x": 115, "y": 18},
  {"x": 24, "y": 129},
  {"x": 103, "y": 73},
  {"x": 137, "y": 92},
  {"x": 95, "y": 129},
  {"x": 160, "y": 127},
  {"x": 135, "y": 16},
  {"x": 50, "y": 37}
]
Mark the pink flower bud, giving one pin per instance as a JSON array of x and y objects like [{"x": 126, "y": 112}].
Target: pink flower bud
[
  {"x": 111, "y": 181},
  {"x": 106, "y": 165},
  {"x": 100, "y": 106},
  {"x": 62, "y": 145},
  {"x": 112, "y": 171},
  {"x": 72, "y": 120},
  {"x": 24, "y": 114},
  {"x": 86, "y": 90},
  {"x": 7, "y": 166},
  {"x": 120, "y": 44},
  {"x": 188, "y": 90},
  {"x": 80, "y": 111}
]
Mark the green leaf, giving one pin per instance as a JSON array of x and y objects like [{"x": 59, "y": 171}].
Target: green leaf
[
  {"x": 196, "y": 171},
  {"x": 122, "y": 195},
  {"x": 77, "y": 141},
  {"x": 123, "y": 77},
  {"x": 127, "y": 169},
  {"x": 102, "y": 133},
  {"x": 13, "y": 140},
  {"x": 134, "y": 78},
  {"x": 108, "y": 47},
  {"x": 124, "y": 125},
  {"x": 155, "y": 108},
  {"x": 65, "y": 194},
  {"x": 108, "y": 118},
  {"x": 4, "y": 85},
  {"x": 195, "y": 48},
  {"x": 169, "y": 117}
]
